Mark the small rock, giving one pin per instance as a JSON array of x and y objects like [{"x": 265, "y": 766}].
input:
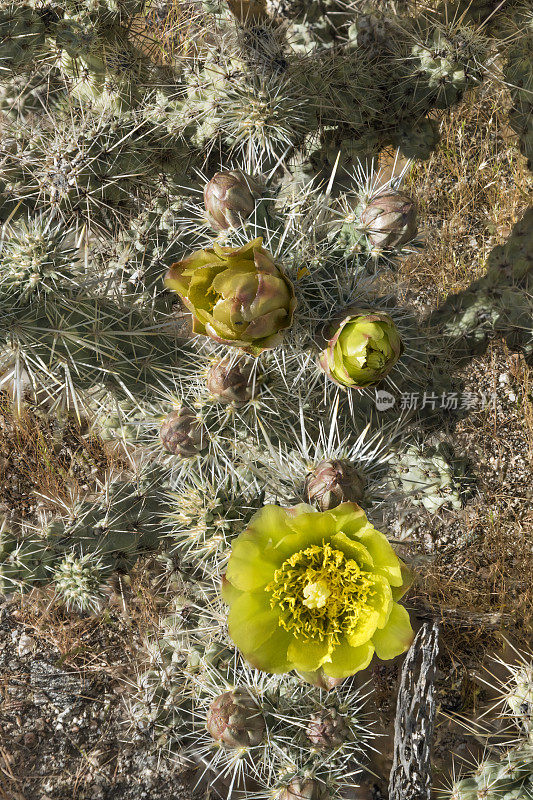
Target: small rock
[
  {"x": 26, "y": 645},
  {"x": 30, "y": 739}
]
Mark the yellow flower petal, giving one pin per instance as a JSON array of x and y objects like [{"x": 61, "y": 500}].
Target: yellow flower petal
[
  {"x": 366, "y": 625},
  {"x": 309, "y": 655},
  {"x": 251, "y": 621},
  {"x": 228, "y": 591},
  {"x": 386, "y": 562},
  {"x": 347, "y": 660},
  {"x": 270, "y": 525},
  {"x": 272, "y": 655},
  {"x": 349, "y": 513},
  {"x": 329, "y": 603},
  {"x": 353, "y": 550},
  {"x": 248, "y": 567},
  {"x": 397, "y": 635},
  {"x": 237, "y": 253},
  {"x": 407, "y": 580}
]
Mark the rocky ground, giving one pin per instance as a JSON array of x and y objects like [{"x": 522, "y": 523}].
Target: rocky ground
[{"x": 63, "y": 731}]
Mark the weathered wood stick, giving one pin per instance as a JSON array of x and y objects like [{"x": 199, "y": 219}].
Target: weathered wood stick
[{"x": 410, "y": 776}]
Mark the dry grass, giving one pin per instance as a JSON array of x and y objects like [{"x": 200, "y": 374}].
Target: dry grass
[
  {"x": 45, "y": 461},
  {"x": 488, "y": 582},
  {"x": 470, "y": 192}
]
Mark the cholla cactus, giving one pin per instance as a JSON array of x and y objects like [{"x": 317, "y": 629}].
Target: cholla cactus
[
  {"x": 26, "y": 96},
  {"x": 519, "y": 696},
  {"x": 354, "y": 453},
  {"x": 517, "y": 44},
  {"x": 446, "y": 65},
  {"x": 25, "y": 561},
  {"x": 236, "y": 155},
  {"x": 227, "y": 715},
  {"x": 66, "y": 347},
  {"x": 99, "y": 63},
  {"x": 89, "y": 169},
  {"x": 78, "y": 581},
  {"x": 116, "y": 529},
  {"x": 432, "y": 477},
  {"x": 417, "y": 139},
  {"x": 22, "y": 35},
  {"x": 203, "y": 520},
  {"x": 38, "y": 257},
  {"x": 515, "y": 703},
  {"x": 506, "y": 771},
  {"x": 509, "y": 777}
]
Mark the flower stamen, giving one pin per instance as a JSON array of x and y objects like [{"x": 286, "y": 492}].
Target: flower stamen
[{"x": 320, "y": 593}]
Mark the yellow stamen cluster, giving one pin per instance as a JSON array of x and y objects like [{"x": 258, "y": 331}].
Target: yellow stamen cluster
[{"x": 320, "y": 593}]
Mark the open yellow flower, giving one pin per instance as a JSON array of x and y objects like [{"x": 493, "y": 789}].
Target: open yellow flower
[{"x": 311, "y": 590}]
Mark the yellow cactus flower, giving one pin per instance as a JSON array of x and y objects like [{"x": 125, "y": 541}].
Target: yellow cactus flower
[{"x": 315, "y": 591}]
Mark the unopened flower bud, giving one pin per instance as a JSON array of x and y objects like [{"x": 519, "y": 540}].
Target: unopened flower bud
[
  {"x": 182, "y": 433},
  {"x": 327, "y": 730},
  {"x": 235, "y": 719},
  {"x": 390, "y": 219},
  {"x": 229, "y": 380},
  {"x": 237, "y": 296},
  {"x": 333, "y": 482},
  {"x": 229, "y": 199},
  {"x": 303, "y": 789},
  {"x": 362, "y": 349}
]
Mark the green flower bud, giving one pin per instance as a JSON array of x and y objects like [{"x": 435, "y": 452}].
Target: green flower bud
[
  {"x": 333, "y": 482},
  {"x": 363, "y": 349},
  {"x": 238, "y": 297},
  {"x": 182, "y": 434},
  {"x": 235, "y": 719},
  {"x": 229, "y": 199}
]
